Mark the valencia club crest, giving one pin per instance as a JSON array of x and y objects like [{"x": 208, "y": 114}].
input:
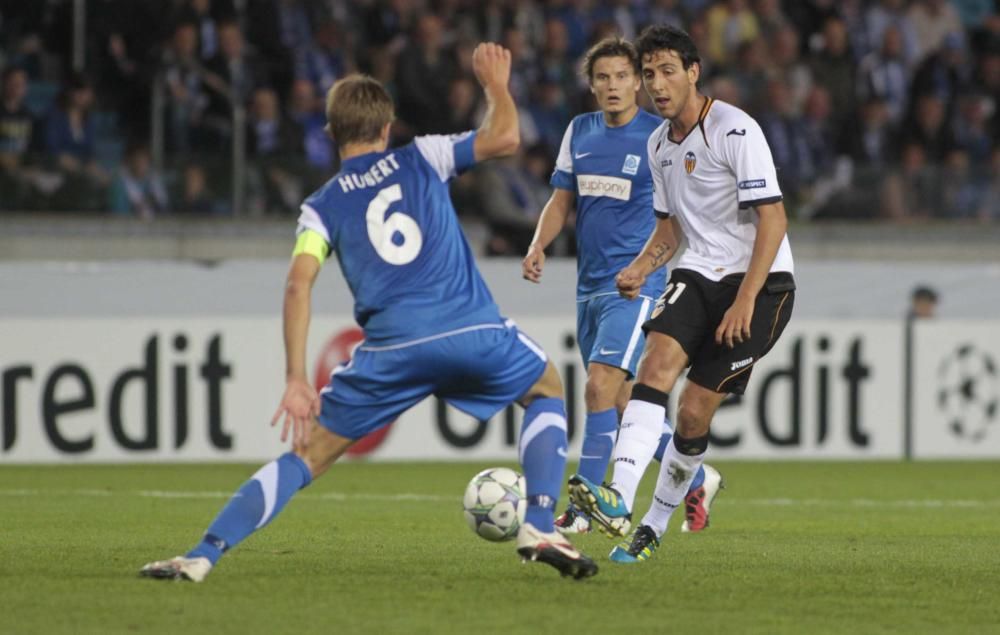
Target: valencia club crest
[{"x": 689, "y": 162}]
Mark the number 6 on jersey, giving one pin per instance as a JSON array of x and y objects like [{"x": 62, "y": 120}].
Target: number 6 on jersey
[{"x": 382, "y": 230}]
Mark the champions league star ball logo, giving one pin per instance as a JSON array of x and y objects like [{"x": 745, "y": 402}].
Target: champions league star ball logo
[
  {"x": 689, "y": 162},
  {"x": 969, "y": 393}
]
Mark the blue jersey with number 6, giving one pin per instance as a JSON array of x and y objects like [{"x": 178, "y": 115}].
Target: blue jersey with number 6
[{"x": 390, "y": 221}]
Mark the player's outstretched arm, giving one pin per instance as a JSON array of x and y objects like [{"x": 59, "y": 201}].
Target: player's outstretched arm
[
  {"x": 659, "y": 249},
  {"x": 550, "y": 223},
  {"x": 771, "y": 227},
  {"x": 500, "y": 134},
  {"x": 300, "y": 402}
]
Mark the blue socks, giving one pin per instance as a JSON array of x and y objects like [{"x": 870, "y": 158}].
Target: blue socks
[
  {"x": 598, "y": 442},
  {"x": 699, "y": 478},
  {"x": 253, "y": 505},
  {"x": 542, "y": 451}
]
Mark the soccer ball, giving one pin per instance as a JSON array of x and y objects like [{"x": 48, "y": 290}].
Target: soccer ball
[
  {"x": 495, "y": 501},
  {"x": 969, "y": 393}
]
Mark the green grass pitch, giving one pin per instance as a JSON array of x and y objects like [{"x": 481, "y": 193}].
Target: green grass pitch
[{"x": 382, "y": 548}]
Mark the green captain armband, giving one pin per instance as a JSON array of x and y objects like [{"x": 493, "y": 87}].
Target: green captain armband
[{"x": 312, "y": 243}]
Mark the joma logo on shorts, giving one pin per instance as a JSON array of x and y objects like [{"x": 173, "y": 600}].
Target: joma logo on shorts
[
  {"x": 741, "y": 363},
  {"x": 625, "y": 459}
]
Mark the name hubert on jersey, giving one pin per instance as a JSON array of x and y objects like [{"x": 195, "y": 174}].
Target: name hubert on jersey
[{"x": 380, "y": 171}]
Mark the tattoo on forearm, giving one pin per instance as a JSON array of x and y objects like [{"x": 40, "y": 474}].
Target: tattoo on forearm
[{"x": 659, "y": 254}]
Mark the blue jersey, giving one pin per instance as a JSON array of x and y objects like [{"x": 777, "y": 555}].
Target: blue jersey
[
  {"x": 390, "y": 221},
  {"x": 607, "y": 169}
]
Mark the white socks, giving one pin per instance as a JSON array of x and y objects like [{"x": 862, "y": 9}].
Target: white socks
[
  {"x": 676, "y": 473},
  {"x": 642, "y": 423}
]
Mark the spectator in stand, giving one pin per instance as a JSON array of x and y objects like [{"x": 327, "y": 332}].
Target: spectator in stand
[
  {"x": 17, "y": 126},
  {"x": 387, "y": 22},
  {"x": 279, "y": 29},
  {"x": 124, "y": 85},
  {"x": 668, "y": 12},
  {"x": 833, "y": 68},
  {"x": 885, "y": 13},
  {"x": 771, "y": 19},
  {"x": 943, "y": 74},
  {"x": 832, "y": 174},
  {"x": 523, "y": 66},
  {"x": 913, "y": 190},
  {"x": 787, "y": 65},
  {"x": 698, "y": 30},
  {"x": 723, "y": 88},
  {"x": 971, "y": 127},
  {"x": 306, "y": 109},
  {"x": 194, "y": 197},
  {"x": 987, "y": 77},
  {"x": 274, "y": 145},
  {"x": 138, "y": 190},
  {"x": 324, "y": 61},
  {"x": 528, "y": 17},
  {"x": 555, "y": 65},
  {"x": 231, "y": 77},
  {"x": 962, "y": 194},
  {"x": 974, "y": 13},
  {"x": 186, "y": 99},
  {"x": 932, "y": 21},
  {"x": 882, "y": 74},
  {"x": 786, "y": 135},
  {"x": 514, "y": 191},
  {"x": 870, "y": 139},
  {"x": 205, "y": 15},
  {"x": 989, "y": 211},
  {"x": 574, "y": 17},
  {"x": 550, "y": 112},
  {"x": 867, "y": 140},
  {"x": 730, "y": 24},
  {"x": 424, "y": 71},
  {"x": 750, "y": 72},
  {"x": 928, "y": 128},
  {"x": 853, "y": 13},
  {"x": 463, "y": 102},
  {"x": 69, "y": 145},
  {"x": 624, "y": 16}
]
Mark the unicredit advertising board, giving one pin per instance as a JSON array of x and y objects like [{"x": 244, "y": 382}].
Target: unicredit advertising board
[{"x": 185, "y": 389}]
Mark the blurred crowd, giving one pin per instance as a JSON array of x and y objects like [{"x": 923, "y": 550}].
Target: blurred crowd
[{"x": 874, "y": 109}]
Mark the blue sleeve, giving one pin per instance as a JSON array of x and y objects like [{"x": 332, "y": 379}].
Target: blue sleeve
[
  {"x": 465, "y": 155},
  {"x": 563, "y": 181}
]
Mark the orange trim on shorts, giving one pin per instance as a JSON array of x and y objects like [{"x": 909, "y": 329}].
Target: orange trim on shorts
[
  {"x": 777, "y": 314},
  {"x": 742, "y": 370}
]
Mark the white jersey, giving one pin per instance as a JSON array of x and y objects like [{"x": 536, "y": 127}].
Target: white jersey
[{"x": 710, "y": 181}]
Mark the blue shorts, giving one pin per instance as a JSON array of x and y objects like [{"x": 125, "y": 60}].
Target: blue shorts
[
  {"x": 479, "y": 369},
  {"x": 609, "y": 330}
]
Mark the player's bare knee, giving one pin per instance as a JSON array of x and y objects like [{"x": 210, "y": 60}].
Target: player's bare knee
[
  {"x": 693, "y": 420},
  {"x": 549, "y": 385},
  {"x": 322, "y": 450},
  {"x": 657, "y": 375},
  {"x": 602, "y": 388},
  {"x": 662, "y": 362}
]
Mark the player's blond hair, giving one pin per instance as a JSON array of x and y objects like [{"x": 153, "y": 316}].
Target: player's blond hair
[{"x": 357, "y": 108}]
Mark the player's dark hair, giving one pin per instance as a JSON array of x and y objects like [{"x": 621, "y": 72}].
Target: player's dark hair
[
  {"x": 661, "y": 37},
  {"x": 923, "y": 292},
  {"x": 609, "y": 47},
  {"x": 357, "y": 108}
]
